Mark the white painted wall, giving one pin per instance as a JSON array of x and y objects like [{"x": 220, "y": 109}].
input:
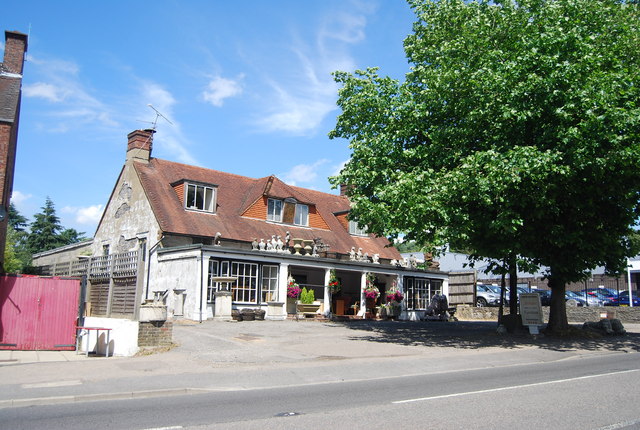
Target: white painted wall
[
  {"x": 123, "y": 337},
  {"x": 179, "y": 270},
  {"x": 127, "y": 217}
]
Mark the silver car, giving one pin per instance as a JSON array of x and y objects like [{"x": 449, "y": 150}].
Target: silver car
[{"x": 487, "y": 295}]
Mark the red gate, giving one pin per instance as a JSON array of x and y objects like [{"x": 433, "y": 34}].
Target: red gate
[{"x": 38, "y": 313}]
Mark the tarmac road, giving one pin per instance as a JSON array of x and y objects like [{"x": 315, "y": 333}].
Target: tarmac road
[{"x": 232, "y": 357}]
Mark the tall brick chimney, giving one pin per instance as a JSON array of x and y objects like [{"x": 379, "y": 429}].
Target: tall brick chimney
[
  {"x": 10, "y": 94},
  {"x": 139, "y": 145},
  {"x": 15, "y": 46}
]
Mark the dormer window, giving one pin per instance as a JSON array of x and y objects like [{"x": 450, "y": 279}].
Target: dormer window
[
  {"x": 200, "y": 197},
  {"x": 274, "y": 210},
  {"x": 356, "y": 230},
  {"x": 287, "y": 211}
]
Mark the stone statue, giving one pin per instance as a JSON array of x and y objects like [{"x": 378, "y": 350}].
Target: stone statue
[
  {"x": 262, "y": 245},
  {"x": 254, "y": 244},
  {"x": 376, "y": 259},
  {"x": 352, "y": 253},
  {"x": 279, "y": 244},
  {"x": 216, "y": 239}
]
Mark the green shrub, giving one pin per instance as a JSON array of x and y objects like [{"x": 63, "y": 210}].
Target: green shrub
[{"x": 307, "y": 296}]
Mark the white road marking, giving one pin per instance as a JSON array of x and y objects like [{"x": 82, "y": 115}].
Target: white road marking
[
  {"x": 513, "y": 387},
  {"x": 53, "y": 384},
  {"x": 620, "y": 425}
]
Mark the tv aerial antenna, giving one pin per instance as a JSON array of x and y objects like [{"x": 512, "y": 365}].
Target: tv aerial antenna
[{"x": 158, "y": 115}]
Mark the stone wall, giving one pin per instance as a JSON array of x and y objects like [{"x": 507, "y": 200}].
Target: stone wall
[
  {"x": 574, "y": 314},
  {"x": 155, "y": 333}
]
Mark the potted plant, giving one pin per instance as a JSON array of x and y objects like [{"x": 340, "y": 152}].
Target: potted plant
[
  {"x": 334, "y": 283},
  {"x": 293, "y": 289},
  {"x": 293, "y": 292},
  {"x": 371, "y": 293},
  {"x": 394, "y": 297},
  {"x": 307, "y": 303}
]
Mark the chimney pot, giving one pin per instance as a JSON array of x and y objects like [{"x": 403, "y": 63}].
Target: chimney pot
[
  {"x": 15, "y": 47},
  {"x": 139, "y": 145}
]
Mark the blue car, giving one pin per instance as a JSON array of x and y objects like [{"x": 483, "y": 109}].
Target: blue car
[{"x": 623, "y": 298}]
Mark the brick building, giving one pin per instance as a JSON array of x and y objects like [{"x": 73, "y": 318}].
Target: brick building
[{"x": 10, "y": 93}]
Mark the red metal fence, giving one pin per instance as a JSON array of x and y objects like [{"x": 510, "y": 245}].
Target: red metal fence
[{"x": 38, "y": 313}]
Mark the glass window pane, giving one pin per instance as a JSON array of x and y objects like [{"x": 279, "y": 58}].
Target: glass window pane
[
  {"x": 191, "y": 196},
  {"x": 302, "y": 215},
  {"x": 208, "y": 199}
]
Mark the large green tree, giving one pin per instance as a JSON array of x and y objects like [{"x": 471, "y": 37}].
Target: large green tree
[
  {"x": 47, "y": 232},
  {"x": 17, "y": 255},
  {"x": 515, "y": 134}
]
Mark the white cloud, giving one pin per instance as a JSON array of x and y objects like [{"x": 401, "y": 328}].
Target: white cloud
[
  {"x": 301, "y": 99},
  {"x": 44, "y": 90},
  {"x": 59, "y": 83},
  {"x": 170, "y": 139},
  {"x": 220, "y": 88},
  {"x": 18, "y": 198},
  {"x": 345, "y": 27},
  {"x": 303, "y": 173},
  {"x": 89, "y": 216}
]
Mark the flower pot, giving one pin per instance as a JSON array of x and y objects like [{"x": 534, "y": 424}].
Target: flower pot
[
  {"x": 308, "y": 308},
  {"x": 248, "y": 314}
]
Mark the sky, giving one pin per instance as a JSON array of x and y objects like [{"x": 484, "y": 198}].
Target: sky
[{"x": 244, "y": 87}]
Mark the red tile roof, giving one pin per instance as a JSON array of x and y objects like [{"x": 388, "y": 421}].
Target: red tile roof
[{"x": 237, "y": 193}]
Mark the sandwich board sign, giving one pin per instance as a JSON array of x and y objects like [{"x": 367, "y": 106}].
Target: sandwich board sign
[{"x": 531, "y": 311}]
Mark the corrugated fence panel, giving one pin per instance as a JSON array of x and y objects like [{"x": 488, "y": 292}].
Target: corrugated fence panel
[
  {"x": 18, "y": 312},
  {"x": 58, "y": 314},
  {"x": 38, "y": 313}
]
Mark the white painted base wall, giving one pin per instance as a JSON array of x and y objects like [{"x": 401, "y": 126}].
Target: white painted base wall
[{"x": 123, "y": 337}]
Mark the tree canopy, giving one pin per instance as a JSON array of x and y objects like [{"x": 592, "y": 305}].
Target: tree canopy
[
  {"x": 515, "y": 134},
  {"x": 47, "y": 233}
]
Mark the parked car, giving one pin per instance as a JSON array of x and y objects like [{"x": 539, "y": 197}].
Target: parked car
[
  {"x": 545, "y": 296},
  {"x": 577, "y": 299},
  {"x": 623, "y": 298},
  {"x": 590, "y": 299},
  {"x": 608, "y": 296},
  {"x": 486, "y": 295}
]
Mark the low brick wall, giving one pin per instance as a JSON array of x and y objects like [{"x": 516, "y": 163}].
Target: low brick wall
[
  {"x": 574, "y": 314},
  {"x": 155, "y": 333}
]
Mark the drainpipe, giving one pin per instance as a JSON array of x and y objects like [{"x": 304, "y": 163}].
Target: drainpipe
[
  {"x": 151, "y": 251},
  {"x": 201, "y": 281}
]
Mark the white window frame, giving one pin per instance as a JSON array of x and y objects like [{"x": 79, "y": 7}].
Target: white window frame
[
  {"x": 269, "y": 284},
  {"x": 301, "y": 216},
  {"x": 356, "y": 230},
  {"x": 245, "y": 289},
  {"x": 208, "y": 197},
  {"x": 274, "y": 210},
  {"x": 212, "y": 287},
  {"x": 418, "y": 292}
]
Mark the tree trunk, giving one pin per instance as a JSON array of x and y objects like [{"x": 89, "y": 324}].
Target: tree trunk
[
  {"x": 513, "y": 286},
  {"x": 501, "y": 308},
  {"x": 558, "y": 323}
]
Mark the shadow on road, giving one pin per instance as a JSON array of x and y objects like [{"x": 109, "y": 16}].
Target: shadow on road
[{"x": 478, "y": 334}]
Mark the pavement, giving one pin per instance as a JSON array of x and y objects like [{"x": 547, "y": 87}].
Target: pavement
[{"x": 223, "y": 356}]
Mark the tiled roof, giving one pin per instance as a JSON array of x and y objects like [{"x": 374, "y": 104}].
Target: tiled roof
[
  {"x": 235, "y": 194},
  {"x": 9, "y": 96}
]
